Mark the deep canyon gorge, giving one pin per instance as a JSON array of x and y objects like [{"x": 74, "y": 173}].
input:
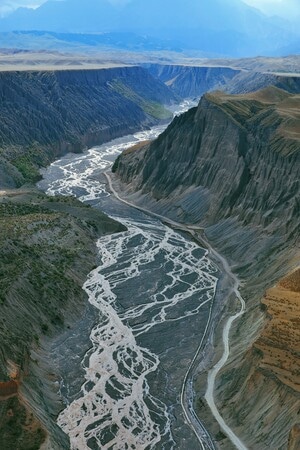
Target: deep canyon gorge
[{"x": 212, "y": 214}]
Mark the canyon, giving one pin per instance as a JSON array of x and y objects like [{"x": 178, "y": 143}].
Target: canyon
[
  {"x": 229, "y": 165},
  {"x": 48, "y": 245}
]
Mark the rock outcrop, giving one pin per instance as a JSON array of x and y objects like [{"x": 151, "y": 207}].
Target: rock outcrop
[{"x": 231, "y": 165}]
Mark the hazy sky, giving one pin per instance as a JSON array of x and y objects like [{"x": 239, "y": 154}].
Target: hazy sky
[
  {"x": 7, "y": 6},
  {"x": 284, "y": 8}
]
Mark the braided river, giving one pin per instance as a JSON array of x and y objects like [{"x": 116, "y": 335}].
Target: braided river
[{"x": 152, "y": 294}]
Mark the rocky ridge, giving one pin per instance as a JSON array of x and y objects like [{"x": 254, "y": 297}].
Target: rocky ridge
[
  {"x": 231, "y": 166},
  {"x": 225, "y": 134}
]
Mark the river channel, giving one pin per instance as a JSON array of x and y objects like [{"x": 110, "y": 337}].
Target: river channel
[{"x": 151, "y": 294}]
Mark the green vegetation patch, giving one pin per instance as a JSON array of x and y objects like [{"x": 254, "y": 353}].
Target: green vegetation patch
[
  {"x": 29, "y": 171},
  {"x": 29, "y": 162},
  {"x": 42, "y": 256},
  {"x": 153, "y": 109},
  {"x": 8, "y": 209}
]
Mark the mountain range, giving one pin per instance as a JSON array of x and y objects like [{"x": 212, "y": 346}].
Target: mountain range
[{"x": 217, "y": 27}]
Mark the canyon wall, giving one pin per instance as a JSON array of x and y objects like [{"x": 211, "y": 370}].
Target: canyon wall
[
  {"x": 194, "y": 81},
  {"x": 47, "y": 114},
  {"x": 249, "y": 81},
  {"x": 191, "y": 81},
  {"x": 231, "y": 165}
]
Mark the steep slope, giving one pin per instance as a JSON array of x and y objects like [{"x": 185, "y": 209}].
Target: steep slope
[
  {"x": 266, "y": 390},
  {"x": 252, "y": 81},
  {"x": 223, "y": 133},
  {"x": 235, "y": 77},
  {"x": 189, "y": 81},
  {"x": 46, "y": 114},
  {"x": 231, "y": 165},
  {"x": 279, "y": 342}
]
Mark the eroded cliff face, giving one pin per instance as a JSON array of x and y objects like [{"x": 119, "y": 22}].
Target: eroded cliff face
[
  {"x": 250, "y": 81},
  {"x": 232, "y": 166},
  {"x": 194, "y": 81},
  {"x": 258, "y": 392},
  {"x": 46, "y": 114},
  {"x": 236, "y": 151},
  {"x": 273, "y": 385},
  {"x": 191, "y": 81}
]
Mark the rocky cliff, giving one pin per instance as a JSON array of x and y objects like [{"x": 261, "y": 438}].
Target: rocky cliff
[
  {"x": 46, "y": 114},
  {"x": 231, "y": 165},
  {"x": 228, "y": 135},
  {"x": 194, "y": 81},
  {"x": 250, "y": 81}
]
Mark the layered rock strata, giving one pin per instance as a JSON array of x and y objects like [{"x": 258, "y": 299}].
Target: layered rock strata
[
  {"x": 47, "y": 114},
  {"x": 194, "y": 81}
]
